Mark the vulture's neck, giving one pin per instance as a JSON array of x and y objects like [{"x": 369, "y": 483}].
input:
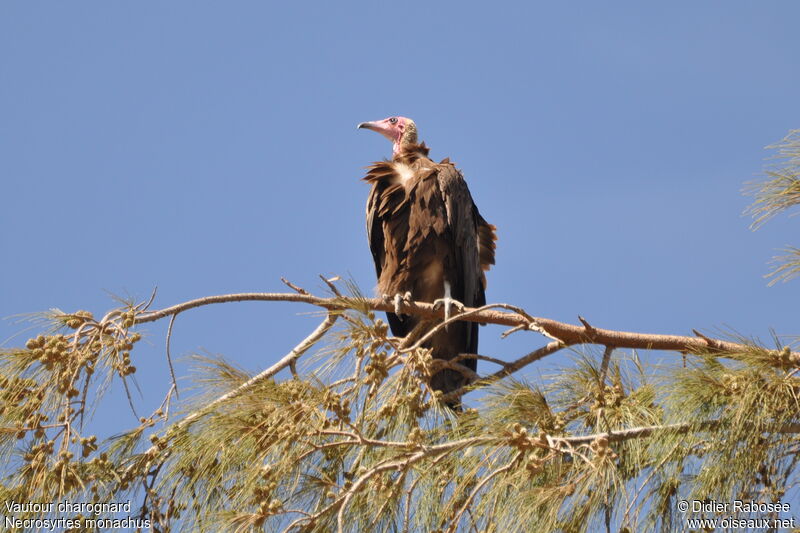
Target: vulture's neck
[
  {"x": 409, "y": 152},
  {"x": 407, "y": 141}
]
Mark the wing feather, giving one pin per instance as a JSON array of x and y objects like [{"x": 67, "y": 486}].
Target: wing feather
[
  {"x": 473, "y": 245},
  {"x": 383, "y": 205}
]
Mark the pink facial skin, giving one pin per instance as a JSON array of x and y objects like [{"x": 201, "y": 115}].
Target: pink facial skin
[{"x": 392, "y": 128}]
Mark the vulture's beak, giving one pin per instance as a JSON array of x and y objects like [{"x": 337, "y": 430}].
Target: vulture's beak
[
  {"x": 380, "y": 126},
  {"x": 368, "y": 125}
]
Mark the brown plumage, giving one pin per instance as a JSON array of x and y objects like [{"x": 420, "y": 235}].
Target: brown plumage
[{"x": 425, "y": 232}]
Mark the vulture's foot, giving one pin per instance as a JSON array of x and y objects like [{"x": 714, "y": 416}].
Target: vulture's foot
[
  {"x": 448, "y": 304},
  {"x": 398, "y": 299}
]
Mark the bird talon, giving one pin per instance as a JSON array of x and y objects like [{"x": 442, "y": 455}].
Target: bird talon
[
  {"x": 398, "y": 299},
  {"x": 448, "y": 304}
]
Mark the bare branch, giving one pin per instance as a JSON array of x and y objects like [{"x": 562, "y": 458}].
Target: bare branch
[
  {"x": 462, "y": 356},
  {"x": 515, "y": 329},
  {"x": 568, "y": 334},
  {"x": 439, "y": 364},
  {"x": 604, "y": 365},
  {"x": 510, "y": 368},
  {"x": 586, "y": 324},
  {"x": 294, "y": 287},
  {"x": 169, "y": 357},
  {"x": 646, "y": 431},
  {"x": 146, "y": 305},
  {"x": 329, "y": 283}
]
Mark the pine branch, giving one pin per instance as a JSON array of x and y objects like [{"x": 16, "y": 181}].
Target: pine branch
[{"x": 567, "y": 334}]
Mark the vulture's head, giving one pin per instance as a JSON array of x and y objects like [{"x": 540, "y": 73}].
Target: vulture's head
[{"x": 399, "y": 130}]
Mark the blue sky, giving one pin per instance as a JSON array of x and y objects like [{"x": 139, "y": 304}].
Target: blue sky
[{"x": 207, "y": 148}]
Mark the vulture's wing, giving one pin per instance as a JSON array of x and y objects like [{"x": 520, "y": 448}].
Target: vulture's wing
[
  {"x": 374, "y": 229},
  {"x": 380, "y": 203},
  {"x": 463, "y": 220},
  {"x": 486, "y": 246}
]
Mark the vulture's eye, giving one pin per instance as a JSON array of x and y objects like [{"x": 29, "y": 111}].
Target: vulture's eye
[{"x": 393, "y": 120}]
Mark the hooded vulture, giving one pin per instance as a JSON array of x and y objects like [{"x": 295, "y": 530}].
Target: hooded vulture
[{"x": 429, "y": 242}]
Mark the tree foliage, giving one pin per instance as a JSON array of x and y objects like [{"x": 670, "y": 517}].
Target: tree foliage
[
  {"x": 780, "y": 192},
  {"x": 356, "y": 441}
]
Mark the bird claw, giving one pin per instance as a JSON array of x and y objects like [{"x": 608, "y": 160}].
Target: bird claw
[
  {"x": 398, "y": 299},
  {"x": 448, "y": 304}
]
